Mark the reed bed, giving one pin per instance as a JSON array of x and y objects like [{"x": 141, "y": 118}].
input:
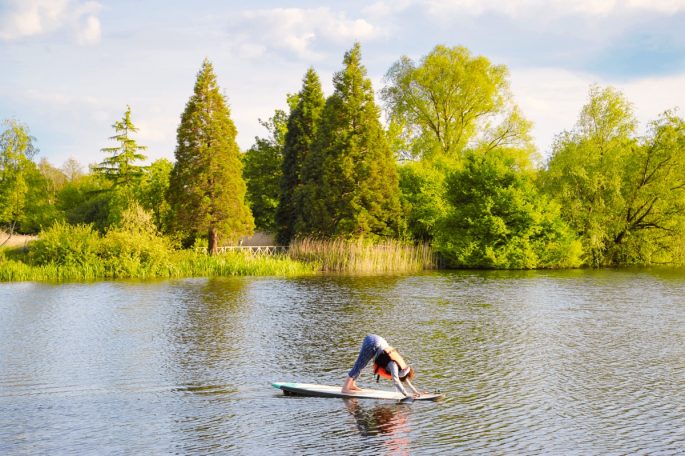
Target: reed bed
[{"x": 363, "y": 256}]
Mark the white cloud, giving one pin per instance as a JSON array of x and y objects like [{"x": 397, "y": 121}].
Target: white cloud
[
  {"x": 90, "y": 32},
  {"x": 27, "y": 18},
  {"x": 298, "y": 30},
  {"x": 552, "y": 98}
]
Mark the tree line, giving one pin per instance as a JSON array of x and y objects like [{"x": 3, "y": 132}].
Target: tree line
[{"x": 454, "y": 166}]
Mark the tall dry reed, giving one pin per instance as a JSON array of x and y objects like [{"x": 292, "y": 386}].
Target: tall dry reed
[{"x": 342, "y": 255}]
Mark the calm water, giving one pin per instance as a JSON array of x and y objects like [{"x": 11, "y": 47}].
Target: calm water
[{"x": 580, "y": 362}]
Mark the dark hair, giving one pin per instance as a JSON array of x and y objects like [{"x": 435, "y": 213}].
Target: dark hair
[{"x": 410, "y": 375}]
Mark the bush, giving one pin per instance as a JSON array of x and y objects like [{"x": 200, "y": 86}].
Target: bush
[{"x": 66, "y": 245}]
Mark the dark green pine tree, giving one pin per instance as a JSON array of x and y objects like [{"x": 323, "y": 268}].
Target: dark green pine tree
[
  {"x": 119, "y": 167},
  {"x": 299, "y": 138},
  {"x": 206, "y": 188},
  {"x": 358, "y": 193}
]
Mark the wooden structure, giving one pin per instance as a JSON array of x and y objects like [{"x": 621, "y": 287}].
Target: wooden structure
[{"x": 253, "y": 249}]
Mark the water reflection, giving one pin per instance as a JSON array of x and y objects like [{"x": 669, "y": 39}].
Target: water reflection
[
  {"x": 391, "y": 421},
  {"x": 542, "y": 362}
]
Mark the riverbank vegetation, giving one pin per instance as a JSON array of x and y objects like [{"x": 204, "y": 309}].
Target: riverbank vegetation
[
  {"x": 452, "y": 174},
  {"x": 363, "y": 256}
]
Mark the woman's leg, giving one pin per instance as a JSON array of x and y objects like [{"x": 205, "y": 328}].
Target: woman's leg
[{"x": 366, "y": 354}]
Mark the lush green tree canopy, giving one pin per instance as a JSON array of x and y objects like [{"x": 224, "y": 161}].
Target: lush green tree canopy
[
  {"x": 17, "y": 170},
  {"x": 623, "y": 194},
  {"x": 206, "y": 188},
  {"x": 152, "y": 189},
  {"x": 449, "y": 100},
  {"x": 498, "y": 219},
  {"x": 263, "y": 172}
]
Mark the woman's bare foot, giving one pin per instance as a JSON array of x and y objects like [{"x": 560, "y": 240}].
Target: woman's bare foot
[{"x": 350, "y": 386}]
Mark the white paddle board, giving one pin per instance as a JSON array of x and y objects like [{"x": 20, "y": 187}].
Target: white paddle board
[{"x": 308, "y": 389}]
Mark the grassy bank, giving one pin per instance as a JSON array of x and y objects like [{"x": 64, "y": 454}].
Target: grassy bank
[
  {"x": 360, "y": 256},
  {"x": 76, "y": 252},
  {"x": 16, "y": 266}
]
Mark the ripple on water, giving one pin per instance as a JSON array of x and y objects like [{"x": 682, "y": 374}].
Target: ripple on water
[{"x": 579, "y": 362}]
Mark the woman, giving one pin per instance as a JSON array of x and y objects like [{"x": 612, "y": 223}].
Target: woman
[{"x": 387, "y": 363}]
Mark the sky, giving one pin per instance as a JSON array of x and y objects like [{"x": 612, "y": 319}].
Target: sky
[{"x": 69, "y": 68}]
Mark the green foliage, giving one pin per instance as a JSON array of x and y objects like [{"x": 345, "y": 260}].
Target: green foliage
[
  {"x": 351, "y": 186},
  {"x": 423, "y": 189},
  {"x": 151, "y": 192},
  {"x": 622, "y": 194},
  {"x": 119, "y": 167},
  {"x": 130, "y": 250},
  {"x": 206, "y": 188},
  {"x": 66, "y": 245},
  {"x": 298, "y": 142},
  {"x": 16, "y": 170},
  {"x": 86, "y": 200},
  {"x": 263, "y": 172},
  {"x": 449, "y": 100},
  {"x": 497, "y": 219}
]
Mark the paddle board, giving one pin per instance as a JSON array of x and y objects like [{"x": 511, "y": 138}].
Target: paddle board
[{"x": 308, "y": 389}]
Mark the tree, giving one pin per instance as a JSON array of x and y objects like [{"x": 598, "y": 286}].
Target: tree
[
  {"x": 16, "y": 152},
  {"x": 652, "y": 223},
  {"x": 152, "y": 189},
  {"x": 422, "y": 191},
  {"x": 86, "y": 200},
  {"x": 301, "y": 131},
  {"x": 206, "y": 187},
  {"x": 621, "y": 193},
  {"x": 351, "y": 184},
  {"x": 584, "y": 172},
  {"x": 450, "y": 100},
  {"x": 119, "y": 167},
  {"x": 263, "y": 172},
  {"x": 72, "y": 169},
  {"x": 498, "y": 219}
]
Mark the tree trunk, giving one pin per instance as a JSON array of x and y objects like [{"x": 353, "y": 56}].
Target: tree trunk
[{"x": 212, "y": 247}]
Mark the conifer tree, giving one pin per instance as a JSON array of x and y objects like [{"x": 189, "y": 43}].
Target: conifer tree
[
  {"x": 299, "y": 138},
  {"x": 119, "y": 167},
  {"x": 206, "y": 188},
  {"x": 354, "y": 191}
]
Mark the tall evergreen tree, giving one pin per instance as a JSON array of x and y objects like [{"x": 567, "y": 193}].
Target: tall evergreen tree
[
  {"x": 358, "y": 193},
  {"x": 206, "y": 188},
  {"x": 119, "y": 167},
  {"x": 299, "y": 138}
]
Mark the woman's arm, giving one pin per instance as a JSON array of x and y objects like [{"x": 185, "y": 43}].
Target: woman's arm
[{"x": 394, "y": 371}]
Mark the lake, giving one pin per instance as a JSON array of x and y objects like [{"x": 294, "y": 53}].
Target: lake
[{"x": 542, "y": 362}]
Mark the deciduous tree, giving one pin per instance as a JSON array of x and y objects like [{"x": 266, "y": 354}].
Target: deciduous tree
[
  {"x": 16, "y": 152},
  {"x": 498, "y": 219},
  {"x": 449, "y": 100}
]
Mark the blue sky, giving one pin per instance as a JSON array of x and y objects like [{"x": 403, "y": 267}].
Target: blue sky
[{"x": 68, "y": 68}]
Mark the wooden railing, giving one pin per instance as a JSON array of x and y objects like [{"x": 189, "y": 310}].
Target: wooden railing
[{"x": 253, "y": 249}]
